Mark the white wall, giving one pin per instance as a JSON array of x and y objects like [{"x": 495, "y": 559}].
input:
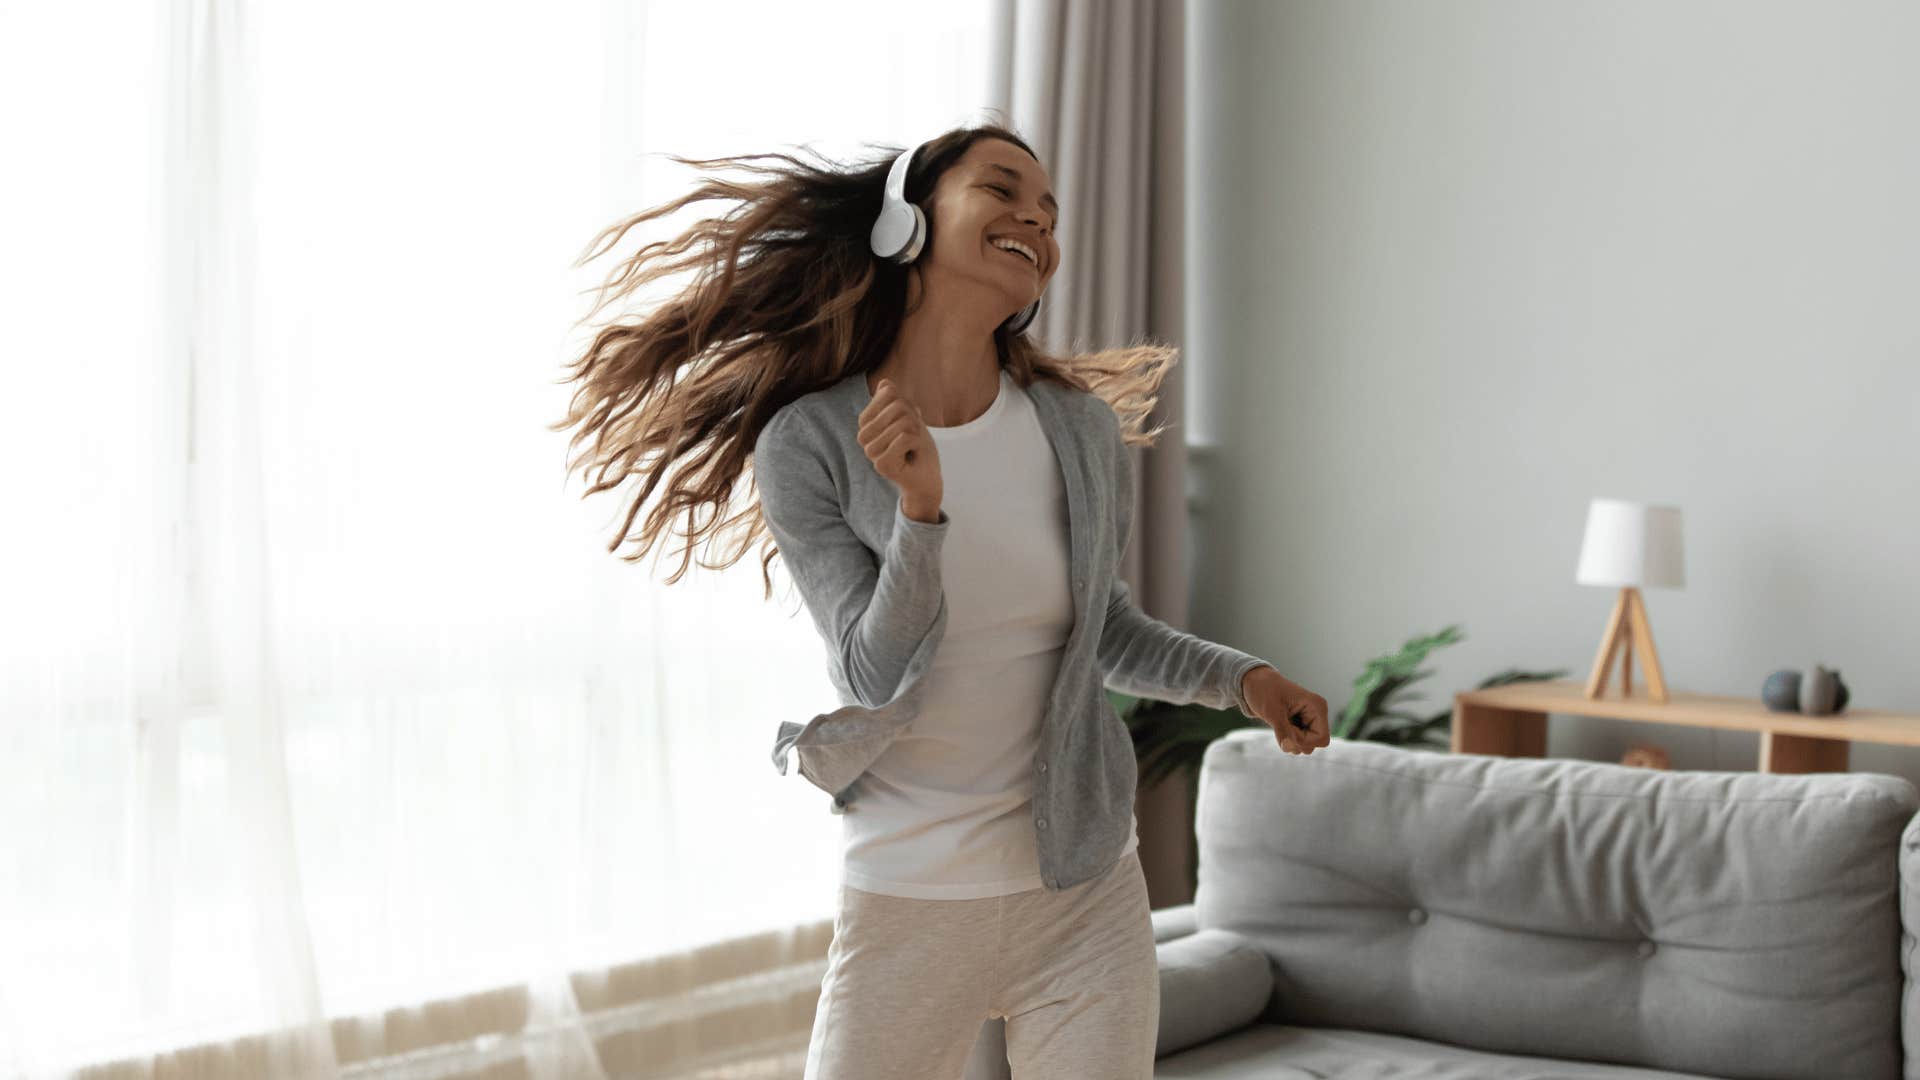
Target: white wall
[{"x": 1459, "y": 267}]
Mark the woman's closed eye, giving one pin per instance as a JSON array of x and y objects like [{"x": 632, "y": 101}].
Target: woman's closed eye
[{"x": 1007, "y": 192}]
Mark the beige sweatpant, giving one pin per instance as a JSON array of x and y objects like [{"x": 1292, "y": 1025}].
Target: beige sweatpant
[{"x": 909, "y": 983}]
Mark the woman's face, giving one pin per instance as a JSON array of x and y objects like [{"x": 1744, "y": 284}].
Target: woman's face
[{"x": 994, "y": 194}]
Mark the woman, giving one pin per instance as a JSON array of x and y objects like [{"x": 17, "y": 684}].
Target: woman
[{"x": 951, "y": 501}]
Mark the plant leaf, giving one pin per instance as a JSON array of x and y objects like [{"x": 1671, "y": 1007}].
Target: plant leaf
[
  {"x": 1515, "y": 675},
  {"x": 1386, "y": 675}
]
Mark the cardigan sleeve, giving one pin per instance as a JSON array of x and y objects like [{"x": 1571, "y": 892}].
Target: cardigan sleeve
[
  {"x": 871, "y": 611},
  {"x": 1143, "y": 656}
]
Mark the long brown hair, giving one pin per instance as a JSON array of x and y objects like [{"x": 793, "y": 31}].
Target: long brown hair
[{"x": 787, "y": 299}]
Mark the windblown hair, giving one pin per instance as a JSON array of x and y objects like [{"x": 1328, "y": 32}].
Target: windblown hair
[{"x": 787, "y": 298}]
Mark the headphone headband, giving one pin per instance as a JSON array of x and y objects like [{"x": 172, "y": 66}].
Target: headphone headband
[{"x": 897, "y": 176}]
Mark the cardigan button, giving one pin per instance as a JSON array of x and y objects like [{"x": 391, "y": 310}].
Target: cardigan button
[
  {"x": 1043, "y": 823},
  {"x": 1043, "y": 766}
]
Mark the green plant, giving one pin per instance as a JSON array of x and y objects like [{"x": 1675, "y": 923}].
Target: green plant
[
  {"x": 1379, "y": 710},
  {"x": 1170, "y": 739}
]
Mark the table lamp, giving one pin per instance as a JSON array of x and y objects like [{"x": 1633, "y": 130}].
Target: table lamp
[{"x": 1630, "y": 545}]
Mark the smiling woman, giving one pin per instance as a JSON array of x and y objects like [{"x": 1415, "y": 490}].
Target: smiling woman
[{"x": 858, "y": 336}]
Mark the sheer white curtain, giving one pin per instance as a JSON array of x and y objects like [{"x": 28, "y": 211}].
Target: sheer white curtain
[{"x": 333, "y": 740}]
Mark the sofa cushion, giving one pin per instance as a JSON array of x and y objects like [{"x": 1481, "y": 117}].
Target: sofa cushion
[
  {"x": 1279, "y": 1052},
  {"x": 1173, "y": 922},
  {"x": 1211, "y": 981},
  {"x": 1731, "y": 924}
]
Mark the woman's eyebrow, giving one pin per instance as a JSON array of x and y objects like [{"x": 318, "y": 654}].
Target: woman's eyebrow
[{"x": 1046, "y": 200}]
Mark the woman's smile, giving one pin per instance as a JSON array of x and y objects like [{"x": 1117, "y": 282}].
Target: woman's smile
[{"x": 1029, "y": 260}]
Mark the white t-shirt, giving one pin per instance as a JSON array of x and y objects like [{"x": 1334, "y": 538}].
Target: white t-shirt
[{"x": 947, "y": 812}]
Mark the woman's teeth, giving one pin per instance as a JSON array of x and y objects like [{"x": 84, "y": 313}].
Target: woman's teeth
[{"x": 1018, "y": 254}]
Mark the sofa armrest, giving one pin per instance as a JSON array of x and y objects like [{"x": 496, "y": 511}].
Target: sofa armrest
[
  {"x": 1174, "y": 922},
  {"x": 1909, "y": 945},
  {"x": 1211, "y": 982}
]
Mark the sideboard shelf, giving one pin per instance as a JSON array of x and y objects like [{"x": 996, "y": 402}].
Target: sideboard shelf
[{"x": 1511, "y": 720}]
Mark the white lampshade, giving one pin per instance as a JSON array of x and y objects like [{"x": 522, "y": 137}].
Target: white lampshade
[{"x": 1630, "y": 543}]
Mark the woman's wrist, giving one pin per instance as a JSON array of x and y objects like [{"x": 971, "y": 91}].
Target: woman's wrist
[
  {"x": 1252, "y": 675},
  {"x": 925, "y": 511}
]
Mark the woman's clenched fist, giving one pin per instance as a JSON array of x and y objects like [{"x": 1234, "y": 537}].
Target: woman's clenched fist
[{"x": 896, "y": 440}]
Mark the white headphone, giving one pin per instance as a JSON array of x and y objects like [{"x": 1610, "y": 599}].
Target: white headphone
[{"x": 901, "y": 231}]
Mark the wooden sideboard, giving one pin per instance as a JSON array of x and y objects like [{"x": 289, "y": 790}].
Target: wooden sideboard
[{"x": 1511, "y": 720}]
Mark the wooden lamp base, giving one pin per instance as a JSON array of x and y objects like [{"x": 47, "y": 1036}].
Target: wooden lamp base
[{"x": 1628, "y": 632}]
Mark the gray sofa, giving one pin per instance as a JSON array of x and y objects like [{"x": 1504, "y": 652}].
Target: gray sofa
[{"x": 1372, "y": 911}]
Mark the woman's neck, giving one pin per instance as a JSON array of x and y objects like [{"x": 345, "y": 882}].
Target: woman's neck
[{"x": 944, "y": 361}]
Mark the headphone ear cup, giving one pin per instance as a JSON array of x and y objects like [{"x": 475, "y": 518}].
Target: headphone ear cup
[
  {"x": 892, "y": 231},
  {"x": 1023, "y": 318},
  {"x": 900, "y": 229},
  {"x": 898, "y": 233},
  {"x": 917, "y": 238}
]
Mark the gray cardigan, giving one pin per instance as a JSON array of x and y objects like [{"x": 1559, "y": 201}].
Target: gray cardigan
[{"x": 870, "y": 579}]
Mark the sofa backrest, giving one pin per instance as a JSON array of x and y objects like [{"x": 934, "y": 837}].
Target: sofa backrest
[{"x": 1732, "y": 924}]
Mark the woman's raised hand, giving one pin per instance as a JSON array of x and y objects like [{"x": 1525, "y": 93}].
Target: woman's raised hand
[{"x": 897, "y": 442}]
